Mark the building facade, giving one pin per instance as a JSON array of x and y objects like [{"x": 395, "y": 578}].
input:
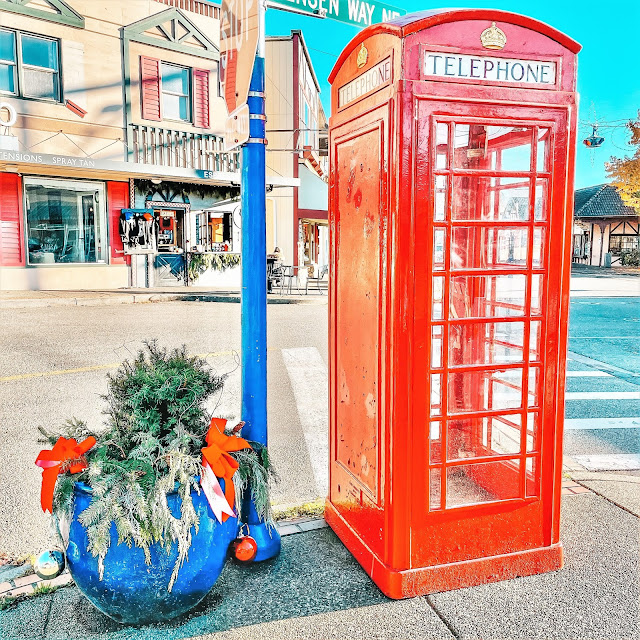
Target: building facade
[
  {"x": 297, "y": 133},
  {"x": 111, "y": 157},
  {"x": 606, "y": 231}
]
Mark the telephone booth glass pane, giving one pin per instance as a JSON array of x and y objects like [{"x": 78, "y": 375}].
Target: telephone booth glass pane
[
  {"x": 474, "y": 437},
  {"x": 487, "y": 343},
  {"x": 483, "y": 146},
  {"x": 542, "y": 158},
  {"x": 490, "y": 198},
  {"x": 480, "y": 247},
  {"x": 476, "y": 483}
]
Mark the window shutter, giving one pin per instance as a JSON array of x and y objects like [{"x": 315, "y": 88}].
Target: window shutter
[
  {"x": 11, "y": 239},
  {"x": 150, "y": 88},
  {"x": 117, "y": 199},
  {"x": 201, "y": 98}
]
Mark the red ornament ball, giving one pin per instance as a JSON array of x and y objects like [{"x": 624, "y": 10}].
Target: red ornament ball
[{"x": 244, "y": 549}]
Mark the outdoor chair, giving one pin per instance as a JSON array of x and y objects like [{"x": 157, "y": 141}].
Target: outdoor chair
[
  {"x": 322, "y": 272},
  {"x": 289, "y": 276}
]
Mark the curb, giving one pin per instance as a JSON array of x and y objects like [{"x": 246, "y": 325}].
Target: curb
[
  {"x": 141, "y": 298},
  {"x": 26, "y": 585}
]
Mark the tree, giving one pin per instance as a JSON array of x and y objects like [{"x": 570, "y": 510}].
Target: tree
[{"x": 625, "y": 172}]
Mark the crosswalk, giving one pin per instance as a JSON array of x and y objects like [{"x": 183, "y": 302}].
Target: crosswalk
[{"x": 602, "y": 424}]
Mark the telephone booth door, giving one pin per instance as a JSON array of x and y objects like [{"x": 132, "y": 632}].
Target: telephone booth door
[{"x": 490, "y": 231}]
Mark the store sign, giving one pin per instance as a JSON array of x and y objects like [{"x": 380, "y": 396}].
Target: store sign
[
  {"x": 355, "y": 12},
  {"x": 132, "y": 169},
  {"x": 375, "y": 78},
  {"x": 46, "y": 158},
  {"x": 437, "y": 64}
]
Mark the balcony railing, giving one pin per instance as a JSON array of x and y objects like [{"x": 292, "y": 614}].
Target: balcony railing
[
  {"x": 181, "y": 149},
  {"x": 197, "y": 6}
]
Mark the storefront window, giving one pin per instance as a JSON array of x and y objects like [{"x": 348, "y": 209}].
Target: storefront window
[
  {"x": 65, "y": 221},
  {"x": 213, "y": 231},
  {"x": 621, "y": 244}
]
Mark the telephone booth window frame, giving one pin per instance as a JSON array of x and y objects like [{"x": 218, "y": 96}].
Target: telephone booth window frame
[{"x": 534, "y": 227}]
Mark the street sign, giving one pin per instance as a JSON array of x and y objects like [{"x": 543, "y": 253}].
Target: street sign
[
  {"x": 238, "y": 42},
  {"x": 236, "y": 128},
  {"x": 356, "y": 12}
]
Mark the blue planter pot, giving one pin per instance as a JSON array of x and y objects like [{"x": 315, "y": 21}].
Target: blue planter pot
[{"x": 136, "y": 593}]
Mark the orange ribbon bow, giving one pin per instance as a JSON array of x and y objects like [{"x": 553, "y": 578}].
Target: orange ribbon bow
[
  {"x": 66, "y": 455},
  {"x": 217, "y": 456}
]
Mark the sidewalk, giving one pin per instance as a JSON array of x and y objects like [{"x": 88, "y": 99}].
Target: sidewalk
[
  {"x": 585, "y": 282},
  {"x": 315, "y": 589},
  {"x": 597, "y": 282},
  {"x": 26, "y": 299}
]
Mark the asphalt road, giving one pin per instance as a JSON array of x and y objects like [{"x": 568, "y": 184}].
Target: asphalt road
[
  {"x": 55, "y": 359},
  {"x": 602, "y": 428},
  {"x": 53, "y": 366}
]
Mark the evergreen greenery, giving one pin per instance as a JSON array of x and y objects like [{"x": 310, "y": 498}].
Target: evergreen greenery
[
  {"x": 200, "y": 262},
  {"x": 156, "y": 428}
]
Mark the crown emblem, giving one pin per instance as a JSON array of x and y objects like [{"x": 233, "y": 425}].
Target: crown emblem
[
  {"x": 363, "y": 54},
  {"x": 493, "y": 37}
]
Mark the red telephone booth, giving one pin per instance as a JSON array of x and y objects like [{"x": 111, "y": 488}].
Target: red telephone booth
[{"x": 452, "y": 154}]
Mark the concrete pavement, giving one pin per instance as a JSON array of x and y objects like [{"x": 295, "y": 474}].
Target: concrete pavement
[{"x": 316, "y": 590}]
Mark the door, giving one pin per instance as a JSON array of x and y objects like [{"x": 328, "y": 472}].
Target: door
[
  {"x": 358, "y": 296},
  {"x": 490, "y": 216}
]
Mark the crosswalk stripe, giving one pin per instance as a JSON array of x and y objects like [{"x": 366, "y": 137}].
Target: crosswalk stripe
[
  {"x": 576, "y": 357},
  {"x": 609, "y": 462},
  {"x": 588, "y": 374},
  {"x": 602, "y": 423},
  {"x": 309, "y": 380},
  {"x": 602, "y": 395}
]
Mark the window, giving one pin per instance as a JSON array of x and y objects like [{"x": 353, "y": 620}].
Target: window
[
  {"x": 65, "y": 221},
  {"x": 29, "y": 65},
  {"x": 213, "y": 231},
  {"x": 171, "y": 92},
  {"x": 8, "y": 61},
  {"x": 175, "y": 87},
  {"x": 622, "y": 244}
]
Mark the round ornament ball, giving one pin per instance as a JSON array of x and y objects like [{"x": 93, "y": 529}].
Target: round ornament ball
[
  {"x": 244, "y": 549},
  {"x": 49, "y": 564}
]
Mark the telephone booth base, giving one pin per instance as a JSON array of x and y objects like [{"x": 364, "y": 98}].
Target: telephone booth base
[{"x": 408, "y": 583}]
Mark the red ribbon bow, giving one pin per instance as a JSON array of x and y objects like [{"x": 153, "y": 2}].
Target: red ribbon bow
[
  {"x": 217, "y": 456},
  {"x": 66, "y": 455}
]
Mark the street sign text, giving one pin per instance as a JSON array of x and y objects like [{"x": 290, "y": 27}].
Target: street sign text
[{"x": 357, "y": 12}]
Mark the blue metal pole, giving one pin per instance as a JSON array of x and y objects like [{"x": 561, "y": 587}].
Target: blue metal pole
[{"x": 254, "y": 299}]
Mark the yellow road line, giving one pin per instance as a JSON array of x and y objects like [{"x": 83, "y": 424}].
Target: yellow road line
[
  {"x": 24, "y": 376},
  {"x": 98, "y": 367}
]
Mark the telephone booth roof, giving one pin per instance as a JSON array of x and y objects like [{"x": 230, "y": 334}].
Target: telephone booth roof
[{"x": 413, "y": 22}]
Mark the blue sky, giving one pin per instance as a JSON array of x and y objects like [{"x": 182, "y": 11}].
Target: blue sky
[{"x": 608, "y": 77}]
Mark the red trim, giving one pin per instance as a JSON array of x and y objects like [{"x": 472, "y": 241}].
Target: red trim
[
  {"x": 402, "y": 27},
  {"x": 150, "y": 88},
  {"x": 11, "y": 221},
  {"x": 74, "y": 108},
  {"x": 201, "y": 98},
  {"x": 296, "y": 139},
  {"x": 117, "y": 199},
  {"x": 314, "y": 214}
]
